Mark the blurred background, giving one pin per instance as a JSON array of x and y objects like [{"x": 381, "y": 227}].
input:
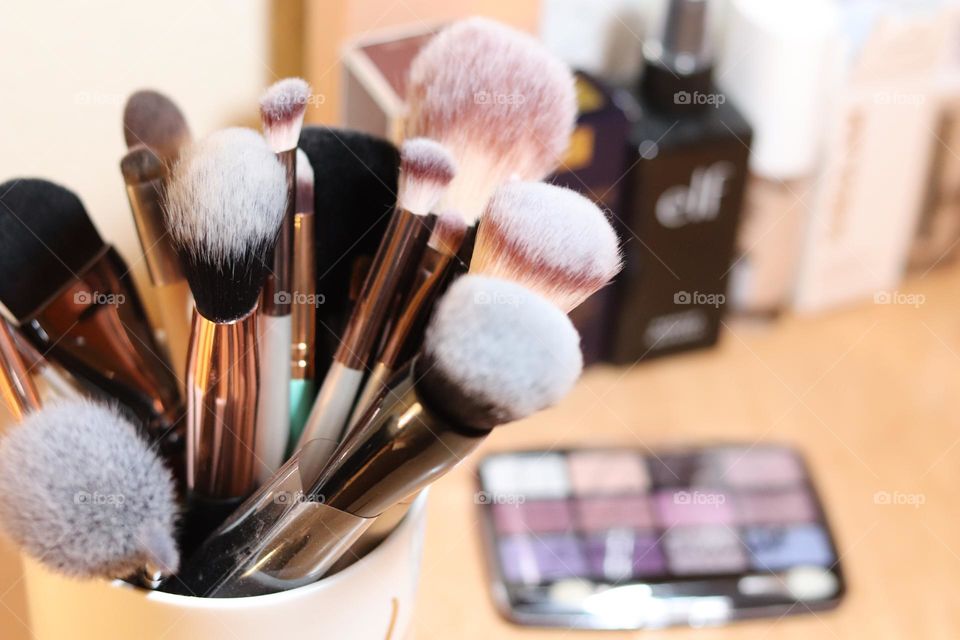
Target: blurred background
[{"x": 789, "y": 203}]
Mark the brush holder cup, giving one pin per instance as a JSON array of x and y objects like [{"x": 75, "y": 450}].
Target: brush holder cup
[{"x": 372, "y": 598}]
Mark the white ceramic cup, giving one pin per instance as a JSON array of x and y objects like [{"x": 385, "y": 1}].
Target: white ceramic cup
[{"x": 371, "y": 599}]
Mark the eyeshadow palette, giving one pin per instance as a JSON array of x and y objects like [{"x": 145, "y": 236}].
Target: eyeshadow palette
[{"x": 623, "y": 539}]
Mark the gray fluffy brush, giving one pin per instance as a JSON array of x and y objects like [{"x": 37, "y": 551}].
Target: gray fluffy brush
[{"x": 82, "y": 493}]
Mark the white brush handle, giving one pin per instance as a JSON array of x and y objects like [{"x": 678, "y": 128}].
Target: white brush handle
[
  {"x": 273, "y": 411},
  {"x": 332, "y": 407}
]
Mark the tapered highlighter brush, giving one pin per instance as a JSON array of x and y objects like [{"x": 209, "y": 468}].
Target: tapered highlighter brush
[
  {"x": 425, "y": 171},
  {"x": 498, "y": 100},
  {"x": 71, "y": 294},
  {"x": 282, "y": 108},
  {"x": 406, "y": 333},
  {"x": 156, "y": 131},
  {"x": 304, "y": 304},
  {"x": 225, "y": 205},
  {"x": 494, "y": 353},
  {"x": 550, "y": 239},
  {"x": 83, "y": 494}
]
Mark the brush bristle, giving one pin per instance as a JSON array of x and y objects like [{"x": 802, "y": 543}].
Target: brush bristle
[
  {"x": 282, "y": 108},
  {"x": 426, "y": 169},
  {"x": 548, "y": 238},
  {"x": 46, "y": 241},
  {"x": 84, "y": 494},
  {"x": 498, "y": 100},
  {"x": 225, "y": 203},
  {"x": 141, "y": 164},
  {"x": 495, "y": 352},
  {"x": 152, "y": 119},
  {"x": 305, "y": 178},
  {"x": 448, "y": 233}
]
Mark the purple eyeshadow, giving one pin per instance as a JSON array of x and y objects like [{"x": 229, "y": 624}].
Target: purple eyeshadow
[
  {"x": 704, "y": 550},
  {"x": 694, "y": 506},
  {"x": 531, "y": 560},
  {"x": 598, "y": 514},
  {"x": 674, "y": 470},
  {"x": 775, "y": 548},
  {"x": 623, "y": 554},
  {"x": 786, "y": 506},
  {"x": 541, "y": 516}
]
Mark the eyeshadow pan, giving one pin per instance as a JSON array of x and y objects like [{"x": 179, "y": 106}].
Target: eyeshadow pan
[
  {"x": 601, "y": 513},
  {"x": 757, "y": 467},
  {"x": 784, "y": 506},
  {"x": 622, "y": 554},
  {"x": 704, "y": 550},
  {"x": 541, "y": 516},
  {"x": 775, "y": 548},
  {"x": 531, "y": 560},
  {"x": 607, "y": 472},
  {"x": 681, "y": 507},
  {"x": 674, "y": 469},
  {"x": 529, "y": 476}
]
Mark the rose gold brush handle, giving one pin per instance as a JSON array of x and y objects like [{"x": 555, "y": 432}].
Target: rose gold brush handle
[
  {"x": 16, "y": 386},
  {"x": 222, "y": 384}
]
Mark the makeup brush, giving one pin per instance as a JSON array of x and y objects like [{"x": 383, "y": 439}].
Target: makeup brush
[
  {"x": 304, "y": 305},
  {"x": 498, "y": 100},
  {"x": 155, "y": 121},
  {"x": 550, "y": 239},
  {"x": 494, "y": 353},
  {"x": 83, "y": 494},
  {"x": 425, "y": 171},
  {"x": 72, "y": 296},
  {"x": 144, "y": 174},
  {"x": 407, "y": 332},
  {"x": 16, "y": 386},
  {"x": 54, "y": 382},
  {"x": 282, "y": 108},
  {"x": 353, "y": 202},
  {"x": 225, "y": 205}
]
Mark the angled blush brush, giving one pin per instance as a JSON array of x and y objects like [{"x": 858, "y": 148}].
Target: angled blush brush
[
  {"x": 282, "y": 108},
  {"x": 498, "y": 100},
  {"x": 72, "y": 296},
  {"x": 425, "y": 171},
  {"x": 550, "y": 239},
  {"x": 305, "y": 302},
  {"x": 225, "y": 205},
  {"x": 156, "y": 131}
]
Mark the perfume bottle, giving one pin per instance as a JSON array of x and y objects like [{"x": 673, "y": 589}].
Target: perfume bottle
[{"x": 689, "y": 148}]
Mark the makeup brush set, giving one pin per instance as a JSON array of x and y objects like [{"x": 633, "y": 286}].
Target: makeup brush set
[{"x": 336, "y": 324}]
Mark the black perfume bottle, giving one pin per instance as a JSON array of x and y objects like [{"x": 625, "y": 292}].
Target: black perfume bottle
[{"x": 688, "y": 166}]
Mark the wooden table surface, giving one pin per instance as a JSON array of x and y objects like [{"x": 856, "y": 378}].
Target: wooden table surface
[{"x": 870, "y": 394}]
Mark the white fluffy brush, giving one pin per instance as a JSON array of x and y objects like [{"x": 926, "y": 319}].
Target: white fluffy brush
[
  {"x": 496, "y": 98},
  {"x": 548, "y": 238}
]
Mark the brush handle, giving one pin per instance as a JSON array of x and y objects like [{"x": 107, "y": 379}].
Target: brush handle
[
  {"x": 222, "y": 381},
  {"x": 16, "y": 386},
  {"x": 273, "y": 412},
  {"x": 371, "y": 391},
  {"x": 175, "y": 305},
  {"x": 302, "y": 393},
  {"x": 332, "y": 406}
]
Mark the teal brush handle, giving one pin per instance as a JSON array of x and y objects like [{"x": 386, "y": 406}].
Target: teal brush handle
[{"x": 302, "y": 393}]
